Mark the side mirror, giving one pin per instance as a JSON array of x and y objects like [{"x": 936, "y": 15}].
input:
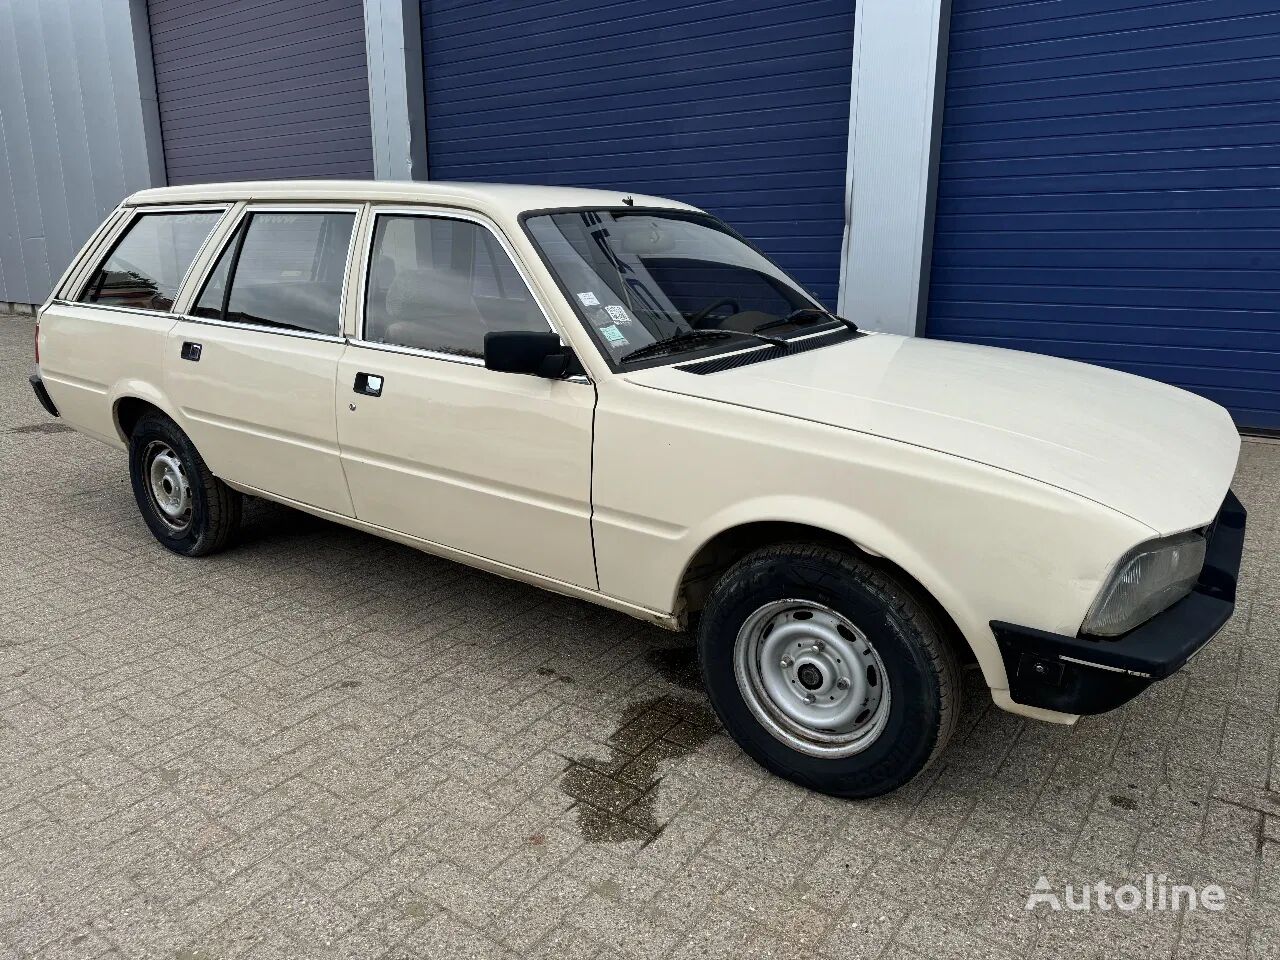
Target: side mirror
[{"x": 536, "y": 354}]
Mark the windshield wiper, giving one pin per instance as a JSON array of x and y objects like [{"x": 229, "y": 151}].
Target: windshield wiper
[
  {"x": 803, "y": 317},
  {"x": 691, "y": 337}
]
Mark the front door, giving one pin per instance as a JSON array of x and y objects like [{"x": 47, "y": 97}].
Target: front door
[
  {"x": 435, "y": 446},
  {"x": 253, "y": 368}
]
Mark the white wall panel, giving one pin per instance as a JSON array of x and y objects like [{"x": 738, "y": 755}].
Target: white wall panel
[{"x": 899, "y": 57}]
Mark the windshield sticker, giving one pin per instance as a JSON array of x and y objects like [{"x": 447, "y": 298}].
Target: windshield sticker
[
  {"x": 618, "y": 314},
  {"x": 589, "y": 299},
  {"x": 614, "y": 336}
]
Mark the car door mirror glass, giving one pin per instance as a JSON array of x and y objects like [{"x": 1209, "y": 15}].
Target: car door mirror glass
[{"x": 528, "y": 352}]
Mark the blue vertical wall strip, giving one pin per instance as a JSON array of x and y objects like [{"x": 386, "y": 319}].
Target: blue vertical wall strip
[
  {"x": 737, "y": 106},
  {"x": 1109, "y": 190}
]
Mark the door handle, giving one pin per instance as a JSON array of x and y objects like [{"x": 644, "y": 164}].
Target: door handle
[
  {"x": 191, "y": 351},
  {"x": 370, "y": 384}
]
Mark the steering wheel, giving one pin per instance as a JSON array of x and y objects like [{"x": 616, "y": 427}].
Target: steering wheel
[{"x": 695, "y": 321}]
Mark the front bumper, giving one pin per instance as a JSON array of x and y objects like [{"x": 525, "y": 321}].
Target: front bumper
[{"x": 1084, "y": 674}]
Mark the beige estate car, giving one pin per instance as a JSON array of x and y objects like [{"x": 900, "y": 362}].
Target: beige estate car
[{"x": 619, "y": 399}]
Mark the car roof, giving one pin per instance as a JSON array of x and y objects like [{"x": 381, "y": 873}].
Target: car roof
[{"x": 506, "y": 198}]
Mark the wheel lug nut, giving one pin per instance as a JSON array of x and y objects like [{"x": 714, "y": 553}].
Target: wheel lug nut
[
  {"x": 842, "y": 683},
  {"x": 819, "y": 646},
  {"x": 786, "y": 662},
  {"x": 810, "y": 698}
]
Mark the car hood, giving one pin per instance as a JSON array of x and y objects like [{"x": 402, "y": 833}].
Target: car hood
[{"x": 1161, "y": 455}]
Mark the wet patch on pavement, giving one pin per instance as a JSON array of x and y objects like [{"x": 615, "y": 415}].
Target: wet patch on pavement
[
  {"x": 41, "y": 428},
  {"x": 614, "y": 798},
  {"x": 551, "y": 672},
  {"x": 677, "y": 665}
]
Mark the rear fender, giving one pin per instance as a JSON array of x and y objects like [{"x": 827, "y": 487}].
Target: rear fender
[{"x": 134, "y": 389}]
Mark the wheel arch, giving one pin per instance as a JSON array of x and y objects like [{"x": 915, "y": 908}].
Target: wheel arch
[
  {"x": 130, "y": 400},
  {"x": 729, "y": 543}
]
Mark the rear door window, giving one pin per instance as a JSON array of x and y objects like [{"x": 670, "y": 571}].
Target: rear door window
[
  {"x": 146, "y": 266},
  {"x": 283, "y": 270}
]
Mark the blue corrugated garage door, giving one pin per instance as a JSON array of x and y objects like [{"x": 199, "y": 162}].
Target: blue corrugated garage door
[
  {"x": 1109, "y": 190},
  {"x": 738, "y": 106}
]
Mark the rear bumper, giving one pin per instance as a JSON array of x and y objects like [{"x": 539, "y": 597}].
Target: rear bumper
[
  {"x": 43, "y": 395},
  {"x": 1092, "y": 675}
]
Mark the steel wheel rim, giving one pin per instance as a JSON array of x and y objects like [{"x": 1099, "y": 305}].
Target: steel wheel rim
[
  {"x": 812, "y": 678},
  {"x": 167, "y": 485}
]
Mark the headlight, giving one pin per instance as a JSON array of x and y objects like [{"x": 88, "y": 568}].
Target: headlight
[{"x": 1149, "y": 578}]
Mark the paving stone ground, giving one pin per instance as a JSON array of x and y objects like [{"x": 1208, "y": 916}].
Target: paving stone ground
[{"x": 321, "y": 744}]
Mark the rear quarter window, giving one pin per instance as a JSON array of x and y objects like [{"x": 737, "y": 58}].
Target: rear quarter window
[{"x": 145, "y": 267}]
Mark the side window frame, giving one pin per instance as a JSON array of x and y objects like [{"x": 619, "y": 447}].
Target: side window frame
[
  {"x": 234, "y": 233},
  {"x": 493, "y": 235},
  {"x": 64, "y": 290},
  {"x": 78, "y": 285}
]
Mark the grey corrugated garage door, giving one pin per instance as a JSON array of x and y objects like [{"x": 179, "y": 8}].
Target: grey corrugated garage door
[
  {"x": 251, "y": 90},
  {"x": 1109, "y": 190}
]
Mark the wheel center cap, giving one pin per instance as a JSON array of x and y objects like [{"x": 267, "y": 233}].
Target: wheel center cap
[{"x": 810, "y": 677}]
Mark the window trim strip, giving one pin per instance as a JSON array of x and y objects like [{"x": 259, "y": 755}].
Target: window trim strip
[
  {"x": 461, "y": 358},
  {"x": 261, "y": 328},
  {"x": 137, "y": 311}
]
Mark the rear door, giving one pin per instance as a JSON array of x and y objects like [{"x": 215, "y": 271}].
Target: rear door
[
  {"x": 495, "y": 465},
  {"x": 252, "y": 364}
]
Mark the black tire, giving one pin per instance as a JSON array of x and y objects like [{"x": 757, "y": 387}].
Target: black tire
[
  {"x": 919, "y": 664},
  {"x": 214, "y": 511}
]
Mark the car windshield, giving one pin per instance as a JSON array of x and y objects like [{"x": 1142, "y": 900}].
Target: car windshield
[{"x": 641, "y": 277}]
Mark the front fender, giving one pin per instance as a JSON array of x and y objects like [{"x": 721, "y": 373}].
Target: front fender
[
  {"x": 870, "y": 535},
  {"x": 986, "y": 544}
]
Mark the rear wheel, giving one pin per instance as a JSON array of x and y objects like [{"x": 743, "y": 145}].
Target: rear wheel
[
  {"x": 827, "y": 671},
  {"x": 187, "y": 508}
]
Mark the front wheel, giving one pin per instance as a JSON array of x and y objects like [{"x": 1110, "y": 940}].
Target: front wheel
[
  {"x": 186, "y": 507},
  {"x": 827, "y": 670}
]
